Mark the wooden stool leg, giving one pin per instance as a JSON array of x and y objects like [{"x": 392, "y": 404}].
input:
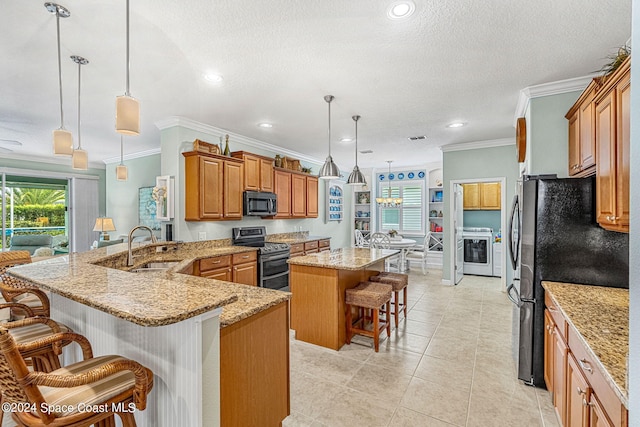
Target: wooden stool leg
[
  {"x": 404, "y": 301},
  {"x": 348, "y": 321},
  {"x": 389, "y": 318},
  {"x": 376, "y": 328},
  {"x": 396, "y": 296}
]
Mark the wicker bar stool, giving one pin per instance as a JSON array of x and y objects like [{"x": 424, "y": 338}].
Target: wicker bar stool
[
  {"x": 399, "y": 282},
  {"x": 372, "y": 296},
  {"x": 107, "y": 383},
  {"x": 16, "y": 290}
]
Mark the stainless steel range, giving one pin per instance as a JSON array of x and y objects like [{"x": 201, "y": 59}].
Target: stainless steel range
[{"x": 273, "y": 269}]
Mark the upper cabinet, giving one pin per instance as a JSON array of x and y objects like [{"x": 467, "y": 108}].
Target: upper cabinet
[
  {"x": 612, "y": 125},
  {"x": 258, "y": 171},
  {"x": 297, "y": 194},
  {"x": 213, "y": 187},
  {"x": 482, "y": 196},
  {"x": 582, "y": 134}
]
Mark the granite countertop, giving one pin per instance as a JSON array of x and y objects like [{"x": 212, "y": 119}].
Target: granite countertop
[
  {"x": 344, "y": 258},
  {"x": 99, "y": 279},
  {"x": 292, "y": 238},
  {"x": 600, "y": 315}
]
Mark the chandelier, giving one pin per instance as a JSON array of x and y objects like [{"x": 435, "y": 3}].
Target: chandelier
[{"x": 389, "y": 202}]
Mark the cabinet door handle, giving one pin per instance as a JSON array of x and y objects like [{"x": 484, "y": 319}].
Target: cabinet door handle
[
  {"x": 583, "y": 364},
  {"x": 584, "y": 402},
  {"x": 580, "y": 391},
  {"x": 245, "y": 256},
  {"x": 552, "y": 309}
]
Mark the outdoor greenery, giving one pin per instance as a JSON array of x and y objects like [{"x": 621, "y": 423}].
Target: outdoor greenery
[{"x": 36, "y": 207}]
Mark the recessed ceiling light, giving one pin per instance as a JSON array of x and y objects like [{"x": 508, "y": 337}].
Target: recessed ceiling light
[
  {"x": 213, "y": 78},
  {"x": 417, "y": 138},
  {"x": 366, "y": 152},
  {"x": 346, "y": 140},
  {"x": 456, "y": 125},
  {"x": 401, "y": 9},
  {"x": 265, "y": 125}
]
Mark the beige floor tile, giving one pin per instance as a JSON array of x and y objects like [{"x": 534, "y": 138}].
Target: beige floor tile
[
  {"x": 380, "y": 381},
  {"x": 297, "y": 420},
  {"x": 310, "y": 396},
  {"x": 396, "y": 359},
  {"x": 408, "y": 342},
  {"x": 407, "y": 418},
  {"x": 350, "y": 408},
  {"x": 446, "y": 371},
  {"x": 326, "y": 364},
  {"x": 452, "y": 347},
  {"x": 448, "y": 403},
  {"x": 492, "y": 408},
  {"x": 416, "y": 327}
]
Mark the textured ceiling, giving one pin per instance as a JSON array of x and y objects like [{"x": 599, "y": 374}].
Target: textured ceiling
[{"x": 465, "y": 60}]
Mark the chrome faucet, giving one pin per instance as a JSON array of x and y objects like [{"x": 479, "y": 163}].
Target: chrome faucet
[{"x": 130, "y": 255}]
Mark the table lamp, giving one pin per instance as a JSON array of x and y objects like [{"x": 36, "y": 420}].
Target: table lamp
[{"x": 103, "y": 225}]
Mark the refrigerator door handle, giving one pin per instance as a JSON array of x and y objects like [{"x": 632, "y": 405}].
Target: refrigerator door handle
[
  {"x": 513, "y": 295},
  {"x": 514, "y": 245}
]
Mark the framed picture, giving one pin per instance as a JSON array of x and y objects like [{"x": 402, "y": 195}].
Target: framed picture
[{"x": 147, "y": 210}]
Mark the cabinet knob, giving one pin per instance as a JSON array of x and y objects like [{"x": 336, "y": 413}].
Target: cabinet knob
[{"x": 580, "y": 391}]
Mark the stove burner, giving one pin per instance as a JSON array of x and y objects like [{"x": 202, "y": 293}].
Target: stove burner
[{"x": 274, "y": 247}]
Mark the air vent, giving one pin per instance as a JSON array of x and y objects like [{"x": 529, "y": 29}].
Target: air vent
[
  {"x": 417, "y": 138},
  {"x": 366, "y": 152}
]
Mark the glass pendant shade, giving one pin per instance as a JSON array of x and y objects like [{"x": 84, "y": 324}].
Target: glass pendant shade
[
  {"x": 62, "y": 142},
  {"x": 127, "y": 115},
  {"x": 80, "y": 159},
  {"x": 121, "y": 173}
]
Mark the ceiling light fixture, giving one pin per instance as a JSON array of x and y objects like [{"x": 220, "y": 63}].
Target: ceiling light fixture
[
  {"x": 265, "y": 125},
  {"x": 121, "y": 169},
  {"x": 389, "y": 202},
  {"x": 356, "y": 177},
  {"x": 401, "y": 9},
  {"x": 80, "y": 158},
  {"x": 329, "y": 170},
  {"x": 456, "y": 125},
  {"x": 213, "y": 78},
  {"x": 127, "y": 107},
  {"x": 62, "y": 138},
  {"x": 346, "y": 140}
]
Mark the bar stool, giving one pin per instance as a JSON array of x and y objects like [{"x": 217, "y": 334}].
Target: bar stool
[
  {"x": 399, "y": 282},
  {"x": 372, "y": 296}
]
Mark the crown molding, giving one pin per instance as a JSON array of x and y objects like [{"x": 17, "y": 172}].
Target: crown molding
[
  {"x": 489, "y": 143},
  {"x": 547, "y": 89},
  {"x": 170, "y": 122},
  {"x": 132, "y": 156},
  {"x": 53, "y": 160}
]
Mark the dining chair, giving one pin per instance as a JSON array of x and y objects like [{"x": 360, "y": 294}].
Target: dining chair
[
  {"x": 420, "y": 252},
  {"x": 379, "y": 241},
  {"x": 16, "y": 290},
  {"x": 111, "y": 384},
  {"x": 361, "y": 242}
]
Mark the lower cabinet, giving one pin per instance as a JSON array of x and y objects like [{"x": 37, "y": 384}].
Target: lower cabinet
[
  {"x": 238, "y": 268},
  {"x": 582, "y": 397},
  {"x": 254, "y": 369},
  {"x": 310, "y": 247}
]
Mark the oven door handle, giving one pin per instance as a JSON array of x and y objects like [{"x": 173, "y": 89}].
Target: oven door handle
[
  {"x": 264, "y": 258},
  {"x": 275, "y": 276}
]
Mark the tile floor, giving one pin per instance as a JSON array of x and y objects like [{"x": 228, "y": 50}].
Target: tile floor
[{"x": 448, "y": 364}]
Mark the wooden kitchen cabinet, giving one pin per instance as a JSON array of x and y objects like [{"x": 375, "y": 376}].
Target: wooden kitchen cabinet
[
  {"x": 577, "y": 396},
  {"x": 560, "y": 356},
  {"x": 245, "y": 268},
  {"x": 312, "y": 196},
  {"x": 254, "y": 369},
  {"x": 282, "y": 182},
  {"x": 549, "y": 348},
  {"x": 258, "y": 171},
  {"x": 482, "y": 196},
  {"x": 582, "y": 134},
  {"x": 238, "y": 268},
  {"x": 613, "y": 143},
  {"x": 298, "y": 195},
  {"x": 324, "y": 245},
  {"x": 213, "y": 187},
  {"x": 297, "y": 249}
]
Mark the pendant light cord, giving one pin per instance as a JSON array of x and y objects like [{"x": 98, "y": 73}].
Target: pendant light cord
[
  {"x": 59, "y": 70},
  {"x": 329, "y": 132},
  {"x": 121, "y": 151},
  {"x": 356, "y": 143},
  {"x": 128, "y": 63},
  {"x": 79, "y": 139}
]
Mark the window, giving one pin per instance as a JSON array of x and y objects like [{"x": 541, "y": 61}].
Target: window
[{"x": 409, "y": 217}]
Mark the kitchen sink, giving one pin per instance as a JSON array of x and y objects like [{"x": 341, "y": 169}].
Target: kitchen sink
[{"x": 154, "y": 266}]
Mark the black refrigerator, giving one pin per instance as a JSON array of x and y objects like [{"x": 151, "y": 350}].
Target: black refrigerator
[{"x": 559, "y": 241}]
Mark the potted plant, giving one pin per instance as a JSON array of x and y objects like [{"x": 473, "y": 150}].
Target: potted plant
[{"x": 393, "y": 233}]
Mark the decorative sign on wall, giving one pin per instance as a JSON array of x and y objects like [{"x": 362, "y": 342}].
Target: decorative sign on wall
[
  {"x": 163, "y": 195},
  {"x": 402, "y": 176}
]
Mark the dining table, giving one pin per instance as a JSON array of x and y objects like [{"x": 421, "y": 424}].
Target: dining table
[{"x": 403, "y": 245}]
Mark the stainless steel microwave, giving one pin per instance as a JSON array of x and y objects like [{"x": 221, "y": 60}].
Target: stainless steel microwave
[{"x": 259, "y": 203}]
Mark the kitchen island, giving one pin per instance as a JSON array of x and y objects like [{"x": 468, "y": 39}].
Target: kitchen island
[
  {"x": 318, "y": 283},
  {"x": 170, "y": 321}
]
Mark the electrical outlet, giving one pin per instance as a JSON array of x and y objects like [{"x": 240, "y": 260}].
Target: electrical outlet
[{"x": 202, "y": 235}]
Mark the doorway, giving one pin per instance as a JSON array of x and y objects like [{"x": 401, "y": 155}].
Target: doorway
[{"x": 476, "y": 205}]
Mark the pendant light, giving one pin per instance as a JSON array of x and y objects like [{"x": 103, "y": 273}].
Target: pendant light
[
  {"x": 356, "y": 177},
  {"x": 62, "y": 138},
  {"x": 121, "y": 169},
  {"x": 127, "y": 107},
  {"x": 389, "y": 202},
  {"x": 79, "y": 159},
  {"x": 329, "y": 169}
]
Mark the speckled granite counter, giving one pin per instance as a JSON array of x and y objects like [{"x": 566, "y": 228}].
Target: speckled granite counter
[
  {"x": 344, "y": 258},
  {"x": 600, "y": 315},
  {"x": 293, "y": 238},
  {"x": 100, "y": 279}
]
